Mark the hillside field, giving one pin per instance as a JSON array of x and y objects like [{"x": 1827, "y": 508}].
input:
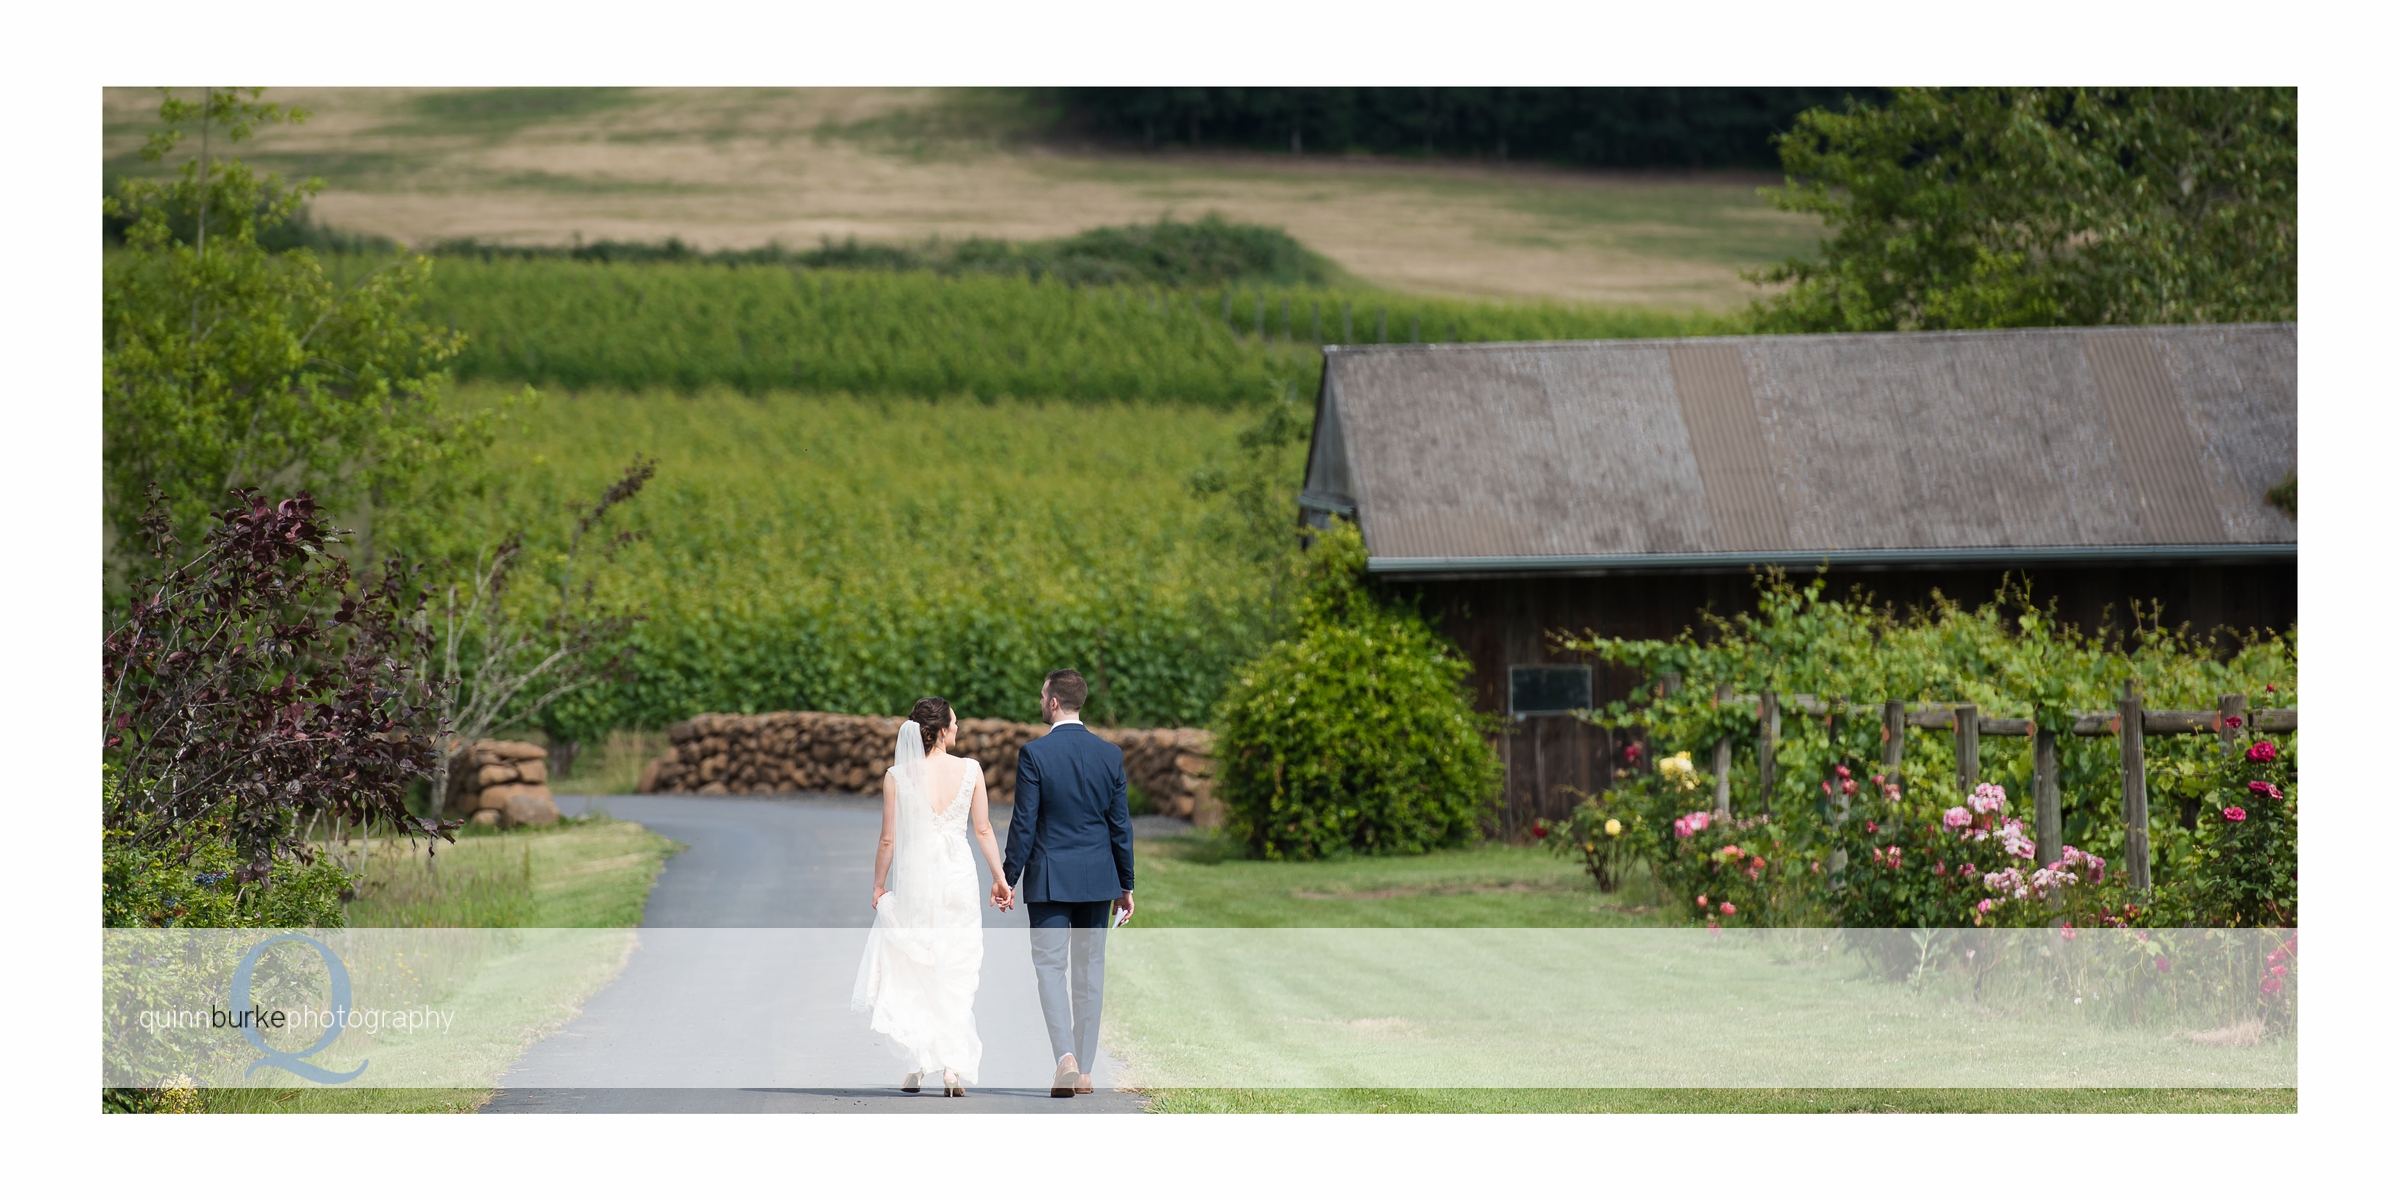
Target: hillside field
[{"x": 826, "y": 551}]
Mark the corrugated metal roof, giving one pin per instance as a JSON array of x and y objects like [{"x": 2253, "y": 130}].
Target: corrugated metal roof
[{"x": 1979, "y": 446}]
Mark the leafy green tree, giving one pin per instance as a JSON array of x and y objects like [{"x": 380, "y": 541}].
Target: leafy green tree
[
  {"x": 226, "y": 365},
  {"x": 1979, "y": 208}
]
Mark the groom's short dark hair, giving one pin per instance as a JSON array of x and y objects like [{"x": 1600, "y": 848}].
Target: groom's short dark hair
[{"x": 1068, "y": 688}]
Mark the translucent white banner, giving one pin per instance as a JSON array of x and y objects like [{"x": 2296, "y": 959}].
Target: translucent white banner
[{"x": 770, "y": 1008}]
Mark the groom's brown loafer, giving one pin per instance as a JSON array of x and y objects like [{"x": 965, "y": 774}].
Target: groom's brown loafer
[
  {"x": 1083, "y": 1085},
  {"x": 1064, "y": 1085}
]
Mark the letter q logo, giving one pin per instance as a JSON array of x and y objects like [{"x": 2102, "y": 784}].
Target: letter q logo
[{"x": 287, "y": 1059}]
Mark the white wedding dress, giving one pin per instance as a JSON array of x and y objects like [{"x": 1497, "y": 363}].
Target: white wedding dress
[{"x": 925, "y": 951}]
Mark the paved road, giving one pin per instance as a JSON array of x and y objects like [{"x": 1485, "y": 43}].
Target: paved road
[{"x": 753, "y": 938}]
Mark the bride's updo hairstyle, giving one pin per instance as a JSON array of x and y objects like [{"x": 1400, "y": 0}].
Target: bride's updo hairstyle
[{"x": 932, "y": 715}]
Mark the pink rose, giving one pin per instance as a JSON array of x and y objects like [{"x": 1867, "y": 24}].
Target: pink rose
[
  {"x": 1727, "y": 909},
  {"x": 2236, "y": 814},
  {"x": 2278, "y": 970},
  {"x": 2162, "y": 964},
  {"x": 1983, "y": 906},
  {"x": 2270, "y": 985},
  {"x": 2262, "y": 752}
]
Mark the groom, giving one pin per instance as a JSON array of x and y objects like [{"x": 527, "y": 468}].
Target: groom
[{"x": 1070, "y": 842}]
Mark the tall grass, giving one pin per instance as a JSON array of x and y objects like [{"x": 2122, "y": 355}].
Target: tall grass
[
  {"x": 758, "y": 328},
  {"x": 851, "y": 555}
]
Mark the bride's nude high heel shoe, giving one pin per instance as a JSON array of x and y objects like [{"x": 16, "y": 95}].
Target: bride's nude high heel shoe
[{"x": 951, "y": 1086}]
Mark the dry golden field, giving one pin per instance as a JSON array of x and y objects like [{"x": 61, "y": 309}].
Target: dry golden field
[{"x": 742, "y": 167}]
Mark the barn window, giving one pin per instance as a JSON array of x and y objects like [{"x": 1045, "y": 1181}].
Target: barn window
[{"x": 1548, "y": 691}]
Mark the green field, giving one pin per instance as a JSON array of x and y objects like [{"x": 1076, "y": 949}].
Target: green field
[
  {"x": 849, "y": 555},
  {"x": 762, "y": 328}
]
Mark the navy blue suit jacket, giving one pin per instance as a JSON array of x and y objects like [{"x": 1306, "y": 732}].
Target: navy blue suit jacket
[{"x": 1071, "y": 837}]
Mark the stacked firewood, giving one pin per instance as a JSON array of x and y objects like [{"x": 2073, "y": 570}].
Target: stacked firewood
[
  {"x": 777, "y": 753},
  {"x": 501, "y": 783}
]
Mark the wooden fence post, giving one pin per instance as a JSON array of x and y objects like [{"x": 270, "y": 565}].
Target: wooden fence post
[
  {"x": 1723, "y": 765},
  {"x": 2229, "y": 735},
  {"x": 1770, "y": 727},
  {"x": 1967, "y": 731},
  {"x": 2048, "y": 831},
  {"x": 1833, "y": 737},
  {"x": 1895, "y": 740},
  {"x": 2137, "y": 796}
]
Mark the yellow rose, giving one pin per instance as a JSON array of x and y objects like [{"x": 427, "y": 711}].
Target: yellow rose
[{"x": 1614, "y": 827}]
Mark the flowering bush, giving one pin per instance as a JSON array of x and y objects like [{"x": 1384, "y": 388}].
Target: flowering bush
[
  {"x": 1733, "y": 871},
  {"x": 1908, "y": 865},
  {"x": 1608, "y": 832},
  {"x": 2244, "y": 866}
]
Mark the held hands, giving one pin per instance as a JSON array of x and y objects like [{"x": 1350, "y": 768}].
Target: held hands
[{"x": 1004, "y": 897}]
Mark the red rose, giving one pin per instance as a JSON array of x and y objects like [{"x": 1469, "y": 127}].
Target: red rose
[
  {"x": 2235, "y": 814},
  {"x": 1539, "y": 831},
  {"x": 2262, "y": 752}
]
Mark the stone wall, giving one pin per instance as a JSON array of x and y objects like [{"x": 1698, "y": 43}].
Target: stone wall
[
  {"x": 771, "y": 753},
  {"x": 501, "y": 783}
]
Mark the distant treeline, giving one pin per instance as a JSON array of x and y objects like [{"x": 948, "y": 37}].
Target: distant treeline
[
  {"x": 1204, "y": 253},
  {"x": 1598, "y": 127}
]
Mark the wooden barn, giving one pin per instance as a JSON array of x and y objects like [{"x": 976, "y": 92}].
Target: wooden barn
[{"x": 1624, "y": 487}]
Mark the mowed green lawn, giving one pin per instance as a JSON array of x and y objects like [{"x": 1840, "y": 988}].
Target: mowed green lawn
[{"x": 1201, "y": 882}]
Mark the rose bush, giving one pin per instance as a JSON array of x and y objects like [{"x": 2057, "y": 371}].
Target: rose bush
[
  {"x": 2243, "y": 865},
  {"x": 1607, "y": 832}
]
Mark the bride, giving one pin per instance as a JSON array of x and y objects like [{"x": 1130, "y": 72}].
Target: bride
[{"x": 925, "y": 951}]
